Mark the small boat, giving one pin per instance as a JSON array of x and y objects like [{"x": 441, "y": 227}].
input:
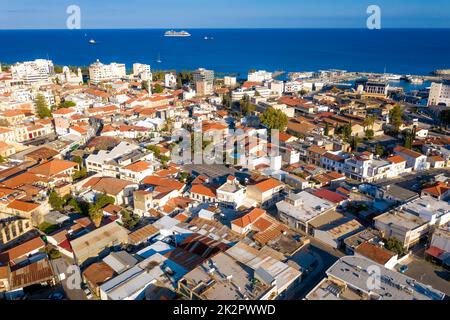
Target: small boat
[
  {"x": 159, "y": 59},
  {"x": 92, "y": 41}
]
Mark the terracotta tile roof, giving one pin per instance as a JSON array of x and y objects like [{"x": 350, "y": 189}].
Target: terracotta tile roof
[
  {"x": 167, "y": 172},
  {"x": 203, "y": 190},
  {"x": 329, "y": 195},
  {"x": 109, "y": 185},
  {"x": 138, "y": 166},
  {"x": 53, "y": 167},
  {"x": 63, "y": 111},
  {"x": 268, "y": 184},
  {"x": 23, "y": 206},
  {"x": 42, "y": 153},
  {"x": 374, "y": 253},
  {"x": 22, "y": 249},
  {"x": 408, "y": 152},
  {"x": 396, "y": 159},
  {"x": 249, "y": 84},
  {"x": 317, "y": 149},
  {"x": 249, "y": 218},
  {"x": 20, "y": 180},
  {"x": 181, "y": 217},
  {"x": 334, "y": 175},
  {"x": 170, "y": 184},
  {"x": 112, "y": 209},
  {"x": 434, "y": 252},
  {"x": 212, "y": 126},
  {"x": 438, "y": 189}
]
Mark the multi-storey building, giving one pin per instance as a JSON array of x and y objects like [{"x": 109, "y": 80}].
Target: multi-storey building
[
  {"x": 439, "y": 94},
  {"x": 33, "y": 72},
  {"x": 99, "y": 72}
]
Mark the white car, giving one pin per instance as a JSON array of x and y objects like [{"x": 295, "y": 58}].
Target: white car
[{"x": 88, "y": 293}]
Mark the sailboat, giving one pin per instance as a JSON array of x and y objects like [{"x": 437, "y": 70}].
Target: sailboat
[{"x": 159, "y": 58}]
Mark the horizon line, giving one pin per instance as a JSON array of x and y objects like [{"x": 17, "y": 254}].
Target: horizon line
[{"x": 228, "y": 28}]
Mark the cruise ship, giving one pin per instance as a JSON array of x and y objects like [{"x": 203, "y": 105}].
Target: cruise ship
[{"x": 173, "y": 33}]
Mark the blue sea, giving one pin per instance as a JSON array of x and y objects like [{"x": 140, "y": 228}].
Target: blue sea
[{"x": 235, "y": 51}]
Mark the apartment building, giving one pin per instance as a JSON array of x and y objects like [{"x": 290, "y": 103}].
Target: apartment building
[
  {"x": 33, "y": 72},
  {"x": 99, "y": 72},
  {"x": 439, "y": 94}
]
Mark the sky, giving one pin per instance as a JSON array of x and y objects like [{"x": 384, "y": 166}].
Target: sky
[{"x": 118, "y": 14}]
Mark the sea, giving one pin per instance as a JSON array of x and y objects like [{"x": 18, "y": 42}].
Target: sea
[{"x": 236, "y": 51}]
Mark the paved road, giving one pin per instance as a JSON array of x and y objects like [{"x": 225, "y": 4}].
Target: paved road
[
  {"x": 413, "y": 177},
  {"x": 326, "y": 257}
]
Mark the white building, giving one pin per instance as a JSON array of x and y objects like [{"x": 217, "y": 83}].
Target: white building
[
  {"x": 229, "y": 81},
  {"x": 412, "y": 221},
  {"x": 297, "y": 210},
  {"x": 439, "y": 94},
  {"x": 259, "y": 76},
  {"x": 366, "y": 168},
  {"x": 33, "y": 72},
  {"x": 277, "y": 87},
  {"x": 170, "y": 80},
  {"x": 143, "y": 71},
  {"x": 99, "y": 72},
  {"x": 106, "y": 162},
  {"x": 70, "y": 77},
  {"x": 414, "y": 160},
  {"x": 231, "y": 194}
]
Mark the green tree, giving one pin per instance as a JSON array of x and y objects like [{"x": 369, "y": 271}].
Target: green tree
[
  {"x": 78, "y": 160},
  {"x": 326, "y": 131},
  {"x": 369, "y": 121},
  {"x": 55, "y": 201},
  {"x": 396, "y": 117},
  {"x": 129, "y": 220},
  {"x": 369, "y": 134},
  {"x": 246, "y": 106},
  {"x": 96, "y": 215},
  {"x": 42, "y": 109},
  {"x": 408, "y": 138},
  {"x": 144, "y": 85},
  {"x": 302, "y": 92},
  {"x": 227, "y": 102},
  {"x": 67, "y": 104},
  {"x": 79, "y": 174},
  {"x": 395, "y": 245},
  {"x": 379, "y": 150},
  {"x": 158, "y": 88},
  {"x": 155, "y": 150},
  {"x": 274, "y": 119},
  {"x": 183, "y": 176},
  {"x": 354, "y": 141},
  {"x": 347, "y": 132},
  {"x": 103, "y": 200}
]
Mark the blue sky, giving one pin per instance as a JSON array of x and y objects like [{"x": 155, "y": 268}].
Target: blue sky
[{"x": 51, "y": 14}]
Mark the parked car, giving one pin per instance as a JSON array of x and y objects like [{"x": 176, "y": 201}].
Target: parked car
[
  {"x": 56, "y": 296},
  {"x": 403, "y": 268}
]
